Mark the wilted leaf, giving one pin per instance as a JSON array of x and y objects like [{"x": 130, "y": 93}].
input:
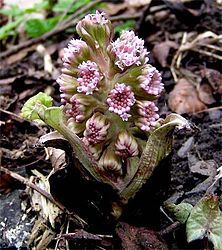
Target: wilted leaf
[
  {"x": 205, "y": 94},
  {"x": 48, "y": 210},
  {"x": 205, "y": 220},
  {"x": 180, "y": 211},
  {"x": 184, "y": 98},
  {"x": 161, "y": 51}
]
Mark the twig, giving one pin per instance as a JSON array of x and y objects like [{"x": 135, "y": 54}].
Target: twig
[
  {"x": 170, "y": 228},
  {"x": 79, "y": 221},
  {"x": 72, "y": 20}
]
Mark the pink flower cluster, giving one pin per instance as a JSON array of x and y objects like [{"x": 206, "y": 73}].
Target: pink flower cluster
[
  {"x": 148, "y": 116},
  {"x": 120, "y": 100},
  {"x": 102, "y": 80},
  {"x": 151, "y": 81},
  {"x": 98, "y": 18},
  {"x": 74, "y": 47},
  {"x": 89, "y": 77},
  {"x": 129, "y": 50}
]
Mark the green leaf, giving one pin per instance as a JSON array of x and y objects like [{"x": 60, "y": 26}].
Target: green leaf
[
  {"x": 37, "y": 27},
  {"x": 8, "y": 29},
  {"x": 30, "y": 108},
  {"x": 158, "y": 146},
  {"x": 180, "y": 211},
  {"x": 12, "y": 11},
  {"x": 69, "y": 5},
  {"x": 130, "y": 24},
  {"x": 206, "y": 220}
]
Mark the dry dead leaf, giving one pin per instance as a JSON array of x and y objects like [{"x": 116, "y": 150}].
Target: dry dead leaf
[
  {"x": 205, "y": 94},
  {"x": 184, "y": 98},
  {"x": 113, "y": 9},
  {"x": 137, "y": 3},
  {"x": 161, "y": 51},
  {"x": 214, "y": 78}
]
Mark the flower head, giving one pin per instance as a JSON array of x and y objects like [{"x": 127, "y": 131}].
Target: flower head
[
  {"x": 80, "y": 107},
  {"x": 95, "y": 29},
  {"x": 147, "y": 115},
  {"x": 120, "y": 100},
  {"x": 89, "y": 77},
  {"x": 150, "y": 81},
  {"x": 96, "y": 129},
  {"x": 129, "y": 50},
  {"x": 126, "y": 145},
  {"x": 75, "y": 47}
]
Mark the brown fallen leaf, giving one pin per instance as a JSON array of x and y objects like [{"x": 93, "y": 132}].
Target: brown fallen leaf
[
  {"x": 161, "y": 51},
  {"x": 184, "y": 98},
  {"x": 138, "y": 238},
  {"x": 214, "y": 78},
  {"x": 205, "y": 93}
]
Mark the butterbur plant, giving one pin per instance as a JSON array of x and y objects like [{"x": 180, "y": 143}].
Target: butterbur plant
[{"x": 108, "y": 112}]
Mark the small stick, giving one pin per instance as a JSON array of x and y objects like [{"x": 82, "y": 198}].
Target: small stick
[
  {"x": 170, "y": 228},
  {"x": 79, "y": 221}
]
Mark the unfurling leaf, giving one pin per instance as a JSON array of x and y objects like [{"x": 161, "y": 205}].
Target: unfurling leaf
[
  {"x": 30, "y": 109},
  {"x": 180, "y": 211},
  {"x": 205, "y": 220}
]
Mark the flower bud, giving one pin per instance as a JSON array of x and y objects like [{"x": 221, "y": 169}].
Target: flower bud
[
  {"x": 76, "y": 53},
  {"x": 96, "y": 129},
  {"x": 96, "y": 30},
  {"x": 81, "y": 107},
  {"x": 126, "y": 145},
  {"x": 110, "y": 162},
  {"x": 147, "y": 115},
  {"x": 150, "y": 80}
]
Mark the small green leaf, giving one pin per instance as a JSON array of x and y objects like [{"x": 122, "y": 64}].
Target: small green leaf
[
  {"x": 30, "y": 110},
  {"x": 130, "y": 24},
  {"x": 72, "y": 5},
  {"x": 37, "y": 27},
  {"x": 180, "y": 211},
  {"x": 206, "y": 220},
  {"x": 9, "y": 28}
]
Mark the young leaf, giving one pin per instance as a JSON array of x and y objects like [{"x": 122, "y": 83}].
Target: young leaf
[
  {"x": 180, "y": 211},
  {"x": 158, "y": 146},
  {"x": 206, "y": 220},
  {"x": 36, "y": 27},
  {"x": 9, "y": 28},
  {"x": 130, "y": 24},
  {"x": 29, "y": 110}
]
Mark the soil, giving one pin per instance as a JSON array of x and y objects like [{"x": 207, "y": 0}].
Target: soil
[{"x": 177, "y": 178}]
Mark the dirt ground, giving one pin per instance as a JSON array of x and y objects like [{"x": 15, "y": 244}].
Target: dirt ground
[{"x": 180, "y": 177}]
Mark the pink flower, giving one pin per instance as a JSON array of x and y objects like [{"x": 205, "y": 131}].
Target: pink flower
[
  {"x": 150, "y": 81},
  {"x": 129, "y": 50},
  {"x": 96, "y": 129},
  {"x": 98, "y": 18},
  {"x": 74, "y": 48},
  {"x": 148, "y": 116},
  {"x": 120, "y": 100},
  {"x": 126, "y": 145},
  {"x": 89, "y": 77},
  {"x": 77, "y": 109}
]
